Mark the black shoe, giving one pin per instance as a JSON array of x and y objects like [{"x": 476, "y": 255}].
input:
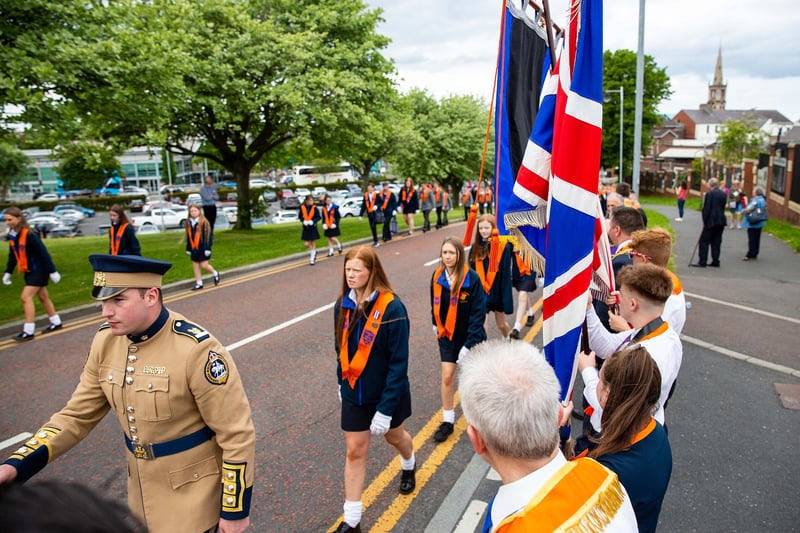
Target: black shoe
[
  {"x": 340, "y": 249},
  {"x": 344, "y": 527},
  {"x": 698, "y": 265},
  {"x": 216, "y": 279},
  {"x": 714, "y": 264},
  {"x": 22, "y": 337},
  {"x": 445, "y": 430},
  {"x": 514, "y": 334},
  {"x": 529, "y": 322},
  {"x": 52, "y": 327},
  {"x": 197, "y": 286},
  {"x": 408, "y": 480}
]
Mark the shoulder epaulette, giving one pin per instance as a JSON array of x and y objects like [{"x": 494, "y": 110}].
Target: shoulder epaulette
[
  {"x": 103, "y": 326},
  {"x": 193, "y": 331}
]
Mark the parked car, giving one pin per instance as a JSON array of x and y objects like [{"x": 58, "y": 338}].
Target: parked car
[
  {"x": 57, "y": 232},
  {"x": 160, "y": 216},
  {"x": 148, "y": 228},
  {"x": 258, "y": 183},
  {"x": 45, "y": 221},
  {"x": 194, "y": 198},
  {"x": 169, "y": 189},
  {"x": 285, "y": 217},
  {"x": 353, "y": 188},
  {"x": 269, "y": 195},
  {"x": 289, "y": 199},
  {"x": 228, "y": 184},
  {"x": 338, "y": 197},
  {"x": 72, "y": 205},
  {"x": 134, "y": 191},
  {"x": 136, "y": 205},
  {"x": 319, "y": 193},
  {"x": 351, "y": 207},
  {"x": 301, "y": 193},
  {"x": 231, "y": 212},
  {"x": 70, "y": 217},
  {"x": 47, "y": 197}
]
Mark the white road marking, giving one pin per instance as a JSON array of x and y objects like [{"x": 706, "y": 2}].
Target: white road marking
[
  {"x": 741, "y": 356},
  {"x": 493, "y": 475},
  {"x": 15, "y": 440},
  {"x": 743, "y": 308},
  {"x": 471, "y": 518},
  {"x": 429, "y": 263},
  {"x": 279, "y": 327}
]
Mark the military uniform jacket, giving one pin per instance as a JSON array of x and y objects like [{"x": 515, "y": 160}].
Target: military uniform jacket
[{"x": 171, "y": 382}]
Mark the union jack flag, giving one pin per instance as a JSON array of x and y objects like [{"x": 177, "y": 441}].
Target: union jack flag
[{"x": 560, "y": 219}]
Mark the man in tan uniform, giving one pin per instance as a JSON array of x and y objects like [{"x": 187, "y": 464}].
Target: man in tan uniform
[{"x": 180, "y": 401}]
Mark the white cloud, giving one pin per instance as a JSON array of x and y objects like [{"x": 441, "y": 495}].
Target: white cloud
[{"x": 451, "y": 47}]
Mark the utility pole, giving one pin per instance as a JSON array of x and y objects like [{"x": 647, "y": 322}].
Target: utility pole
[{"x": 637, "y": 126}]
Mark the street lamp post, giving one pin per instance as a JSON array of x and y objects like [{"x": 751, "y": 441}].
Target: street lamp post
[{"x": 621, "y": 92}]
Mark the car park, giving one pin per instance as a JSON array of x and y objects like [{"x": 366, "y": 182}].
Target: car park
[
  {"x": 256, "y": 183},
  {"x": 194, "y": 198},
  {"x": 338, "y": 197},
  {"x": 231, "y": 213},
  {"x": 351, "y": 207},
  {"x": 169, "y": 189},
  {"x": 47, "y": 197},
  {"x": 285, "y": 217},
  {"x": 353, "y": 188},
  {"x": 70, "y": 217},
  {"x": 228, "y": 184},
  {"x": 160, "y": 217},
  {"x": 45, "y": 221},
  {"x": 289, "y": 199},
  {"x": 269, "y": 195},
  {"x": 319, "y": 193},
  {"x": 135, "y": 191},
  {"x": 301, "y": 193},
  {"x": 148, "y": 228},
  {"x": 57, "y": 232}
]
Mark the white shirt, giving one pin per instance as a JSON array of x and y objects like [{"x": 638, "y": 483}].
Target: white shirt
[
  {"x": 675, "y": 311},
  {"x": 513, "y": 497},
  {"x": 665, "y": 349}
]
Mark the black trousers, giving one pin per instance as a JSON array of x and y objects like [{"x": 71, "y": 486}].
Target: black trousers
[
  {"x": 438, "y": 217},
  {"x": 387, "y": 228},
  {"x": 753, "y": 242},
  {"x": 426, "y": 215},
  {"x": 444, "y": 218},
  {"x": 466, "y": 213},
  {"x": 373, "y": 226},
  {"x": 710, "y": 237},
  {"x": 210, "y": 212}
]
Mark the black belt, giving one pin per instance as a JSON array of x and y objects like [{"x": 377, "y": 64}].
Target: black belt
[{"x": 181, "y": 444}]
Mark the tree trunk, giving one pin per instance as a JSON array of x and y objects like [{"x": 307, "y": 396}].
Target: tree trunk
[{"x": 241, "y": 173}]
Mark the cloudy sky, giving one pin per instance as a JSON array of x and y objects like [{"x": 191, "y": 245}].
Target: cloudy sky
[{"x": 450, "y": 47}]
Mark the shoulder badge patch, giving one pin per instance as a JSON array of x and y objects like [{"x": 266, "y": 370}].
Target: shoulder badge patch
[
  {"x": 193, "y": 331},
  {"x": 216, "y": 369}
]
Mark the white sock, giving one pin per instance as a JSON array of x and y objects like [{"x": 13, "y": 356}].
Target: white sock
[
  {"x": 55, "y": 319},
  {"x": 449, "y": 416},
  {"x": 352, "y": 512},
  {"x": 215, "y": 273},
  {"x": 330, "y": 250},
  {"x": 29, "y": 328},
  {"x": 529, "y": 313},
  {"x": 517, "y": 326},
  {"x": 408, "y": 464}
]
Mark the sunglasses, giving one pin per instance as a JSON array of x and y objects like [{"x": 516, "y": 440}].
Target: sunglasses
[{"x": 634, "y": 253}]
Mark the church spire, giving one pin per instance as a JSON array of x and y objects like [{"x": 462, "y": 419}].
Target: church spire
[
  {"x": 718, "y": 69},
  {"x": 717, "y": 88}
]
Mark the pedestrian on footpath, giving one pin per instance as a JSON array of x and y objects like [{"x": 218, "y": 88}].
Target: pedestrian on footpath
[
  {"x": 371, "y": 208},
  {"x": 438, "y": 202},
  {"x": 467, "y": 199},
  {"x": 330, "y": 224},
  {"x": 371, "y": 340},
  {"x": 510, "y": 399},
  {"x": 309, "y": 216},
  {"x": 28, "y": 254},
  {"x": 121, "y": 235},
  {"x": 388, "y": 206},
  {"x": 409, "y": 203},
  {"x": 524, "y": 280},
  {"x": 755, "y": 218},
  {"x": 491, "y": 259},
  {"x": 209, "y": 196},
  {"x": 458, "y": 311},
  {"x": 713, "y": 225},
  {"x": 198, "y": 246},
  {"x": 681, "y": 193},
  {"x": 633, "y": 442},
  {"x": 428, "y": 204},
  {"x": 178, "y": 397}
]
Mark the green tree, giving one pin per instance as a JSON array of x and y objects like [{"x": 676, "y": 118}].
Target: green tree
[
  {"x": 12, "y": 162},
  {"x": 619, "y": 70},
  {"x": 739, "y": 139},
  {"x": 86, "y": 165}
]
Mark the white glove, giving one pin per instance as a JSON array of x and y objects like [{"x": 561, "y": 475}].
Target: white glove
[
  {"x": 461, "y": 353},
  {"x": 435, "y": 330},
  {"x": 207, "y": 253},
  {"x": 539, "y": 282},
  {"x": 333, "y": 226},
  {"x": 340, "y": 392},
  {"x": 6, "y": 279},
  {"x": 374, "y": 208},
  {"x": 380, "y": 423},
  {"x": 394, "y": 213},
  {"x": 188, "y": 252},
  {"x": 324, "y": 226},
  {"x": 360, "y": 217},
  {"x": 56, "y": 277}
]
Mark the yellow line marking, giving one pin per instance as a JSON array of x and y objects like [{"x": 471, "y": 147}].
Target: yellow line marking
[
  {"x": 382, "y": 480},
  {"x": 537, "y": 326},
  {"x": 388, "y": 520}
]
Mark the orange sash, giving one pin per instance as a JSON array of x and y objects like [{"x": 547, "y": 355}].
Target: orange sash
[
  {"x": 464, "y": 198},
  {"x": 677, "y": 288},
  {"x": 115, "y": 239},
  {"x": 328, "y": 216},
  {"x": 480, "y": 197},
  {"x": 583, "y": 495},
  {"x": 487, "y": 279},
  {"x": 410, "y": 194},
  {"x": 444, "y": 201},
  {"x": 522, "y": 266},
  {"x": 369, "y": 201},
  {"x": 194, "y": 240},
  {"x": 425, "y": 194},
  {"x": 452, "y": 311},
  {"x": 351, "y": 370},
  {"x": 310, "y": 214},
  {"x": 19, "y": 249},
  {"x": 488, "y": 196},
  {"x": 386, "y": 201},
  {"x": 436, "y": 195}
]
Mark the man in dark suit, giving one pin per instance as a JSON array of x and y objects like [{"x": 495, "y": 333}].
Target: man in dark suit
[{"x": 714, "y": 222}]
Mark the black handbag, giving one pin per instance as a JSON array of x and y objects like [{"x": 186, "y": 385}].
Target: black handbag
[
  {"x": 379, "y": 216},
  {"x": 757, "y": 215}
]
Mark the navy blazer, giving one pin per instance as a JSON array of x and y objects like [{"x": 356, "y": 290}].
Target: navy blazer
[{"x": 471, "y": 311}]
